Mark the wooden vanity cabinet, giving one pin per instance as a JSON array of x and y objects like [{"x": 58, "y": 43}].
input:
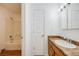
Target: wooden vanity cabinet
[
  {"x": 50, "y": 50},
  {"x": 53, "y": 50}
]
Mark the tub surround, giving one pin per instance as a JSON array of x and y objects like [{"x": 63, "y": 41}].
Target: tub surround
[{"x": 64, "y": 51}]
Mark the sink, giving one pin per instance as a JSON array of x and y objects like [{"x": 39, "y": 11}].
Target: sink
[{"x": 65, "y": 44}]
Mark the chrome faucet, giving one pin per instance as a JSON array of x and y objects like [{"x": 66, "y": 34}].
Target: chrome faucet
[{"x": 68, "y": 40}]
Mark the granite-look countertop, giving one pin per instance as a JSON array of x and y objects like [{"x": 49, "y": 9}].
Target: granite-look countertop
[{"x": 67, "y": 51}]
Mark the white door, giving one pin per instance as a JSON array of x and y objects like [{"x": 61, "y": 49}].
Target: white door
[{"x": 38, "y": 31}]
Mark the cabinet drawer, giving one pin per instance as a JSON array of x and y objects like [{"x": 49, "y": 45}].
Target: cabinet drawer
[{"x": 58, "y": 52}]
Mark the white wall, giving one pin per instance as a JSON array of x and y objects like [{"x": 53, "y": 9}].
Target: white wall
[
  {"x": 51, "y": 18},
  {"x": 52, "y": 22}
]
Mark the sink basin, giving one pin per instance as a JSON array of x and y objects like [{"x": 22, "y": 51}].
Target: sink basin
[{"x": 65, "y": 44}]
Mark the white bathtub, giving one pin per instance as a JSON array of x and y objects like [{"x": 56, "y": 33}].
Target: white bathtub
[{"x": 13, "y": 46}]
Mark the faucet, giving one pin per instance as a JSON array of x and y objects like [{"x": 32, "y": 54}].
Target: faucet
[{"x": 68, "y": 40}]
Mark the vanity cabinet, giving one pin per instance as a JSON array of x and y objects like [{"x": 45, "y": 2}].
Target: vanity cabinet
[
  {"x": 70, "y": 16},
  {"x": 50, "y": 49},
  {"x": 53, "y": 50}
]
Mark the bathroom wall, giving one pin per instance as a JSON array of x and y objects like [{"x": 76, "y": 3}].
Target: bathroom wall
[
  {"x": 51, "y": 23},
  {"x": 2, "y": 28},
  {"x": 51, "y": 18},
  {"x": 5, "y": 17}
]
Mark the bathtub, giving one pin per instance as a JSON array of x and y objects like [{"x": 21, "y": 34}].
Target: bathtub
[{"x": 13, "y": 46}]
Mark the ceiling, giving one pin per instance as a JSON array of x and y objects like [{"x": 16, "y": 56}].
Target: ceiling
[{"x": 13, "y": 7}]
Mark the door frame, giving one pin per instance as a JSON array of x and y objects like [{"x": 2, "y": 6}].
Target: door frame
[{"x": 23, "y": 29}]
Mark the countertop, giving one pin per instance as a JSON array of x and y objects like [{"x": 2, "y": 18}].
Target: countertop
[{"x": 67, "y": 51}]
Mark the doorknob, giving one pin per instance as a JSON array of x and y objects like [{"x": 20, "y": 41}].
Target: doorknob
[{"x": 42, "y": 35}]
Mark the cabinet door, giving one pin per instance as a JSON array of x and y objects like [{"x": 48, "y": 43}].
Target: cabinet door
[
  {"x": 64, "y": 18},
  {"x": 50, "y": 50},
  {"x": 73, "y": 16},
  {"x": 57, "y": 51}
]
